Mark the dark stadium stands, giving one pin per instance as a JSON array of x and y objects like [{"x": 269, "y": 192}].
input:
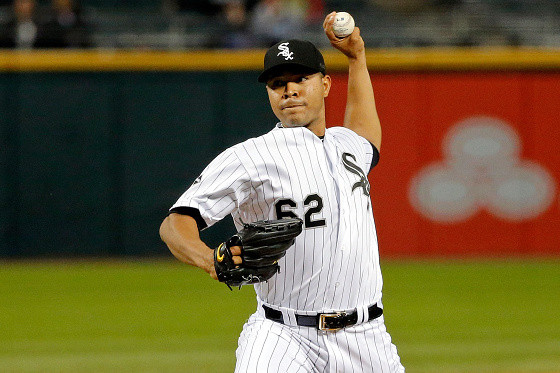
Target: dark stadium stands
[{"x": 170, "y": 24}]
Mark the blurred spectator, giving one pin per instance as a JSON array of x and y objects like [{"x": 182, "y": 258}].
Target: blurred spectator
[
  {"x": 252, "y": 23},
  {"x": 479, "y": 24},
  {"x": 234, "y": 17},
  {"x": 61, "y": 28},
  {"x": 228, "y": 18},
  {"x": 22, "y": 29},
  {"x": 65, "y": 27},
  {"x": 274, "y": 20}
]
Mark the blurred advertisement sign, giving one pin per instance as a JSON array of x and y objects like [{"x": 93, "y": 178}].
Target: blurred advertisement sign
[
  {"x": 482, "y": 169},
  {"x": 470, "y": 162}
]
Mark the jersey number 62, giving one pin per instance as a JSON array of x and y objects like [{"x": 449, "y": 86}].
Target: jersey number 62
[{"x": 314, "y": 204}]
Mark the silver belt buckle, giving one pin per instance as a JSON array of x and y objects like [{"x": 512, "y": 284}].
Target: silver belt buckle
[{"x": 328, "y": 318}]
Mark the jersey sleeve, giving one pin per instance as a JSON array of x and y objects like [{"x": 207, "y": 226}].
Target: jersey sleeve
[
  {"x": 351, "y": 140},
  {"x": 218, "y": 191}
]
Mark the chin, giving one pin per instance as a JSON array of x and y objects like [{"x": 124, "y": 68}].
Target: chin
[{"x": 294, "y": 123}]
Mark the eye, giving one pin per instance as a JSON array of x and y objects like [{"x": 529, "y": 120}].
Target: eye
[
  {"x": 303, "y": 79},
  {"x": 277, "y": 83}
]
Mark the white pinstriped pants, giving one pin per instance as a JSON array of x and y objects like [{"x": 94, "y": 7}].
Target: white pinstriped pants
[{"x": 268, "y": 346}]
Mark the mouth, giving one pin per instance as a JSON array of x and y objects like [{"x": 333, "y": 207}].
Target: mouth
[{"x": 291, "y": 105}]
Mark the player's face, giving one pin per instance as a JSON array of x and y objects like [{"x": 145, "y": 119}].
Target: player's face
[{"x": 298, "y": 99}]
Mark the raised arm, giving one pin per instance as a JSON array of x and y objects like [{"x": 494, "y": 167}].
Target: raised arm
[{"x": 360, "y": 115}]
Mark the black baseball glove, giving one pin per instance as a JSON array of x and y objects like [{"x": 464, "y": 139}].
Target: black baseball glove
[{"x": 262, "y": 244}]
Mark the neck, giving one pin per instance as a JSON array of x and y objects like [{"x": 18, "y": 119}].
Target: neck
[
  {"x": 318, "y": 125},
  {"x": 317, "y": 128}
]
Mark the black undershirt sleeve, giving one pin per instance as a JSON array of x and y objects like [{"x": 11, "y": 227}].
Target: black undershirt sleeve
[
  {"x": 193, "y": 213},
  {"x": 374, "y": 158}
]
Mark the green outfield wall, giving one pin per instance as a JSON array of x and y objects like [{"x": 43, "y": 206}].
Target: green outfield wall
[
  {"x": 91, "y": 161},
  {"x": 96, "y": 146}
]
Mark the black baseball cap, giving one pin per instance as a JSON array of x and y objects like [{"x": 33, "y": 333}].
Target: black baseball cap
[{"x": 300, "y": 54}]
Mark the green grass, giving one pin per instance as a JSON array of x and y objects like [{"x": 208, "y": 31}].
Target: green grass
[
  {"x": 162, "y": 316},
  {"x": 493, "y": 316}
]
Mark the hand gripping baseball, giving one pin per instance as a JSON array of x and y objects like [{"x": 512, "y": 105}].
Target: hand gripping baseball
[
  {"x": 352, "y": 46},
  {"x": 262, "y": 244}
]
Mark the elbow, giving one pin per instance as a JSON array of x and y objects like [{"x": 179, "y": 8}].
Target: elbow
[
  {"x": 166, "y": 235},
  {"x": 164, "y": 229}
]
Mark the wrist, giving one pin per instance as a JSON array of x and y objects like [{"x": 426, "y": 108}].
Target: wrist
[
  {"x": 208, "y": 261},
  {"x": 358, "y": 58},
  {"x": 210, "y": 268},
  {"x": 202, "y": 256}
]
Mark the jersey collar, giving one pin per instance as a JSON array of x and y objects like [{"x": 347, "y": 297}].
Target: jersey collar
[{"x": 279, "y": 125}]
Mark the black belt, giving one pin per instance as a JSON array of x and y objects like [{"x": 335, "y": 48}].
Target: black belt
[{"x": 325, "y": 321}]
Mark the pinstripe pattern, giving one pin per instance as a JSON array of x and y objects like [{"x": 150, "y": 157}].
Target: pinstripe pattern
[
  {"x": 330, "y": 267},
  {"x": 333, "y": 265},
  {"x": 364, "y": 348}
]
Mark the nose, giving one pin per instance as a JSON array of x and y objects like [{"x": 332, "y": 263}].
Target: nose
[{"x": 291, "y": 90}]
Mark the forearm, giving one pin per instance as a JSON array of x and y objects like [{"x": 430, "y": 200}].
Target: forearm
[
  {"x": 180, "y": 233},
  {"x": 361, "y": 113}
]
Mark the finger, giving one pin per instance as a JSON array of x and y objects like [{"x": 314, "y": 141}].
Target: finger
[
  {"x": 330, "y": 33},
  {"x": 235, "y": 250},
  {"x": 328, "y": 25},
  {"x": 237, "y": 260}
]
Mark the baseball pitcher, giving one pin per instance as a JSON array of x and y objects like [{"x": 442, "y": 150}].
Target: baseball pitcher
[{"x": 300, "y": 198}]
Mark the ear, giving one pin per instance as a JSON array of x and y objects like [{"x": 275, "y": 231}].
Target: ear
[{"x": 326, "y": 85}]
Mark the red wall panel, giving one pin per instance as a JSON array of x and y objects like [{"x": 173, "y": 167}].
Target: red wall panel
[{"x": 495, "y": 135}]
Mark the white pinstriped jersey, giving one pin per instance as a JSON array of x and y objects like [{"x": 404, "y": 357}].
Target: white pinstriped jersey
[{"x": 334, "y": 263}]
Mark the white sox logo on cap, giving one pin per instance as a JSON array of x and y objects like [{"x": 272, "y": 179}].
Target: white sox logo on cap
[
  {"x": 285, "y": 51},
  {"x": 292, "y": 54}
]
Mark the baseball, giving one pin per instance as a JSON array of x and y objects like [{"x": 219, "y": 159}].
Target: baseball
[{"x": 343, "y": 24}]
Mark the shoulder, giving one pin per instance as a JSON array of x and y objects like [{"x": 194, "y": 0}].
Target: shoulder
[
  {"x": 346, "y": 136},
  {"x": 340, "y": 131},
  {"x": 349, "y": 139}
]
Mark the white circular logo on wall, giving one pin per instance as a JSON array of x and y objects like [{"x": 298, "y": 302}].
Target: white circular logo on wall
[{"x": 482, "y": 169}]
